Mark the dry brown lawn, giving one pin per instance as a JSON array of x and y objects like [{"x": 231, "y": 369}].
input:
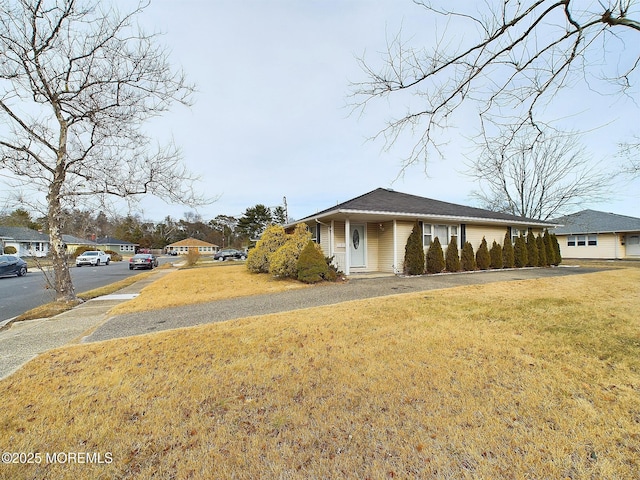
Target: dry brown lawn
[
  {"x": 531, "y": 379},
  {"x": 204, "y": 284}
]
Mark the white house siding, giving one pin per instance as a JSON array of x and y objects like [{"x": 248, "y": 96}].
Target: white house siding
[
  {"x": 609, "y": 246},
  {"x": 385, "y": 248},
  {"x": 403, "y": 231},
  {"x": 490, "y": 233},
  {"x": 372, "y": 243}
]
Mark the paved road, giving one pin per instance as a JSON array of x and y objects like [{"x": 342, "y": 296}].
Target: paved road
[
  {"x": 326, "y": 294},
  {"x": 19, "y": 294}
]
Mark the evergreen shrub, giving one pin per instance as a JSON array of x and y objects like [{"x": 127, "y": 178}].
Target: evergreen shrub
[
  {"x": 520, "y": 252},
  {"x": 496, "y": 255},
  {"x": 312, "y": 266},
  {"x": 557, "y": 259},
  {"x": 259, "y": 256},
  {"x": 468, "y": 259},
  {"x": 483, "y": 260},
  {"x": 10, "y": 250},
  {"x": 532, "y": 250},
  {"x": 452, "y": 259},
  {"x": 542, "y": 252},
  {"x": 548, "y": 245},
  {"x": 414, "y": 252},
  {"x": 508, "y": 260},
  {"x": 435, "y": 257},
  {"x": 283, "y": 262}
]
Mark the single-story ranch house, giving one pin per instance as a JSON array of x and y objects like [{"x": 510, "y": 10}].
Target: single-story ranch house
[
  {"x": 183, "y": 246},
  {"x": 369, "y": 233},
  {"x": 27, "y": 242},
  {"x": 116, "y": 245},
  {"x": 594, "y": 234}
]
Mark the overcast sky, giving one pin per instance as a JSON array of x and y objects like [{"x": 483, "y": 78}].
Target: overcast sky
[{"x": 270, "y": 118}]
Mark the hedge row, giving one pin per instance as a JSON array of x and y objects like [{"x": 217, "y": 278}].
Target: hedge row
[{"x": 529, "y": 251}]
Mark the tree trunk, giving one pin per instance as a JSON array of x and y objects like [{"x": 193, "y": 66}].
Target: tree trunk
[{"x": 62, "y": 276}]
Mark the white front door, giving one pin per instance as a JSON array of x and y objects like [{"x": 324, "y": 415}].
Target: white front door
[
  {"x": 356, "y": 246},
  {"x": 633, "y": 245}
]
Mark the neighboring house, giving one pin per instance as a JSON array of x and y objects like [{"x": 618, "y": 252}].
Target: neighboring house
[
  {"x": 369, "y": 233},
  {"x": 73, "y": 243},
  {"x": 183, "y": 246},
  {"x": 594, "y": 234},
  {"x": 116, "y": 245},
  {"x": 27, "y": 242}
]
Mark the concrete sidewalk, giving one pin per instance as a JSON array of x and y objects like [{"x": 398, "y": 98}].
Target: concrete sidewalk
[
  {"x": 22, "y": 341},
  {"x": 89, "y": 321}
]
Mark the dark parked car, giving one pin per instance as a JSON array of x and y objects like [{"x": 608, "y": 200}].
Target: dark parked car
[
  {"x": 143, "y": 260},
  {"x": 12, "y": 265},
  {"x": 230, "y": 253}
]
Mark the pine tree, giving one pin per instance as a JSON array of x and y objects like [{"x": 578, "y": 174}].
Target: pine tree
[
  {"x": 532, "y": 250},
  {"x": 468, "y": 260},
  {"x": 435, "y": 257},
  {"x": 542, "y": 252},
  {"x": 508, "y": 260},
  {"x": 414, "y": 252},
  {"x": 483, "y": 259},
  {"x": 496, "y": 255},
  {"x": 453, "y": 258},
  {"x": 520, "y": 252}
]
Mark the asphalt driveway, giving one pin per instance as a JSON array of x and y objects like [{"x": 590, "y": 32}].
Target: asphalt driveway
[{"x": 326, "y": 294}]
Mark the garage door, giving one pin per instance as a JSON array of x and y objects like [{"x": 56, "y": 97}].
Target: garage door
[{"x": 633, "y": 245}]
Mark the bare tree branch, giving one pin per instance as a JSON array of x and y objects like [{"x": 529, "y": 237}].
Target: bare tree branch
[{"x": 77, "y": 82}]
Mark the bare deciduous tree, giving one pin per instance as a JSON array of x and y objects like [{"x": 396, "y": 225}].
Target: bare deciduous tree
[
  {"x": 536, "y": 176},
  {"x": 77, "y": 81},
  {"x": 508, "y": 59}
]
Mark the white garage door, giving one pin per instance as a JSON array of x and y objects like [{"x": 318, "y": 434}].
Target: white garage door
[{"x": 633, "y": 245}]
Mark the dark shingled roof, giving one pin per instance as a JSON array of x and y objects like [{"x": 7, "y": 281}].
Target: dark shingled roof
[
  {"x": 593, "y": 221},
  {"x": 112, "y": 241},
  {"x": 23, "y": 234},
  {"x": 382, "y": 200}
]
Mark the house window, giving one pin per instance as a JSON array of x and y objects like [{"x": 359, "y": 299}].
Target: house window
[
  {"x": 426, "y": 234},
  {"x": 515, "y": 233},
  {"x": 443, "y": 232},
  {"x": 582, "y": 240},
  {"x": 592, "y": 240},
  {"x": 571, "y": 241}
]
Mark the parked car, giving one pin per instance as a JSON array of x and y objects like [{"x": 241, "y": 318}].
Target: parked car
[
  {"x": 93, "y": 257},
  {"x": 12, "y": 265},
  {"x": 143, "y": 260},
  {"x": 227, "y": 253}
]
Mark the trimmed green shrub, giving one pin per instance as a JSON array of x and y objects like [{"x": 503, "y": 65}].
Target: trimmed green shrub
[
  {"x": 496, "y": 255},
  {"x": 548, "y": 246},
  {"x": 532, "y": 250},
  {"x": 414, "y": 252},
  {"x": 259, "y": 256},
  {"x": 483, "y": 260},
  {"x": 520, "y": 252},
  {"x": 334, "y": 273},
  {"x": 312, "y": 265},
  {"x": 10, "y": 250},
  {"x": 556, "y": 250},
  {"x": 284, "y": 261},
  {"x": 115, "y": 256},
  {"x": 452, "y": 259},
  {"x": 542, "y": 252},
  {"x": 508, "y": 259},
  {"x": 468, "y": 259},
  {"x": 435, "y": 257}
]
